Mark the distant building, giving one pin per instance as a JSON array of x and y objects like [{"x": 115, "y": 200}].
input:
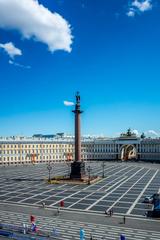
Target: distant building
[
  {"x": 60, "y": 148},
  {"x": 48, "y": 136}
]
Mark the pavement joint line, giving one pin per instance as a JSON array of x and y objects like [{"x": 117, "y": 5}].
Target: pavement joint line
[
  {"x": 127, "y": 190},
  {"x": 65, "y": 190},
  {"x": 102, "y": 170},
  {"x": 103, "y": 179},
  {"x": 82, "y": 190},
  {"x": 119, "y": 215},
  {"x": 92, "y": 193},
  {"x": 23, "y": 200},
  {"x": 108, "y": 193},
  {"x": 42, "y": 185},
  {"x": 115, "y": 178},
  {"x": 114, "y": 228},
  {"x": 135, "y": 202},
  {"x": 113, "y": 189}
]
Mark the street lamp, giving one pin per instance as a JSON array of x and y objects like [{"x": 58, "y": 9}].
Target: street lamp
[
  {"x": 103, "y": 165},
  {"x": 89, "y": 174},
  {"x": 49, "y": 171}
]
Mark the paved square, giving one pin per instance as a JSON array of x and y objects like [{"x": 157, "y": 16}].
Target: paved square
[{"x": 124, "y": 187}]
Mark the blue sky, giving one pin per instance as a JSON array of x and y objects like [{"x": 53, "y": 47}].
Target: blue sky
[{"x": 109, "y": 52}]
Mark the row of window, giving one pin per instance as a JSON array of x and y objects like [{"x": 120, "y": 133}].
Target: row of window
[
  {"x": 40, "y": 151},
  {"x": 35, "y": 151},
  {"x": 28, "y": 162},
  {"x": 150, "y": 157},
  {"x": 153, "y": 150},
  {"x": 28, "y": 159},
  {"x": 54, "y": 157},
  {"x": 36, "y": 146},
  {"x": 149, "y": 149},
  {"x": 89, "y": 147},
  {"x": 97, "y": 150}
]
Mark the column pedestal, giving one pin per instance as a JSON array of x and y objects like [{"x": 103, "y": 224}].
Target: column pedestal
[{"x": 77, "y": 170}]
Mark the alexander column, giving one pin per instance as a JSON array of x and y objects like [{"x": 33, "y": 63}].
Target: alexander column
[{"x": 78, "y": 166}]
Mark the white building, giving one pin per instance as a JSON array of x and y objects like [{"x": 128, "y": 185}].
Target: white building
[{"x": 37, "y": 150}]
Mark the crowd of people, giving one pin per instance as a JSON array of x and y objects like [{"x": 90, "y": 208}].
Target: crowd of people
[{"x": 108, "y": 212}]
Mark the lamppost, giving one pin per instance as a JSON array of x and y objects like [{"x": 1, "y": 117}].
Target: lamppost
[
  {"x": 89, "y": 174},
  {"x": 103, "y": 165},
  {"x": 49, "y": 171}
]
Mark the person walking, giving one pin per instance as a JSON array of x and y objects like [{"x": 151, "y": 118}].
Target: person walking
[
  {"x": 122, "y": 237},
  {"x": 62, "y": 203},
  {"x": 55, "y": 232},
  {"x": 43, "y": 204},
  {"x": 32, "y": 218},
  {"x": 91, "y": 237},
  {"x": 112, "y": 211},
  {"x": 24, "y": 228},
  {"x": 33, "y": 227},
  {"x": 58, "y": 210},
  {"x": 106, "y": 212},
  {"x": 82, "y": 234},
  {"x": 124, "y": 219}
]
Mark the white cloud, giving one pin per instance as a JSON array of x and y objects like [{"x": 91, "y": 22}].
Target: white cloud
[
  {"x": 152, "y": 132},
  {"x": 11, "y": 50},
  {"x": 137, "y": 6},
  {"x": 130, "y": 13},
  {"x": 35, "y": 21},
  {"x": 142, "y": 6},
  {"x": 66, "y": 103},
  {"x": 18, "y": 65},
  {"x": 135, "y": 131}
]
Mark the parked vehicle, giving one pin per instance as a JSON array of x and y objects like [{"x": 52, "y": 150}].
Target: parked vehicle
[{"x": 148, "y": 199}]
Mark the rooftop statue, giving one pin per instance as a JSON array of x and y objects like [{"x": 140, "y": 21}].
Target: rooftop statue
[
  {"x": 143, "y": 136},
  {"x": 77, "y": 98},
  {"x": 129, "y": 133}
]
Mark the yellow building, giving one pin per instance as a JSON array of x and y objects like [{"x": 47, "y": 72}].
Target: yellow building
[{"x": 30, "y": 150}]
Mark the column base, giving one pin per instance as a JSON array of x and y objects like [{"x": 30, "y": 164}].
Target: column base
[{"x": 77, "y": 170}]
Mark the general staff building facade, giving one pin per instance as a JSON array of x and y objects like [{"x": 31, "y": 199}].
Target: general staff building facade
[{"x": 26, "y": 151}]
